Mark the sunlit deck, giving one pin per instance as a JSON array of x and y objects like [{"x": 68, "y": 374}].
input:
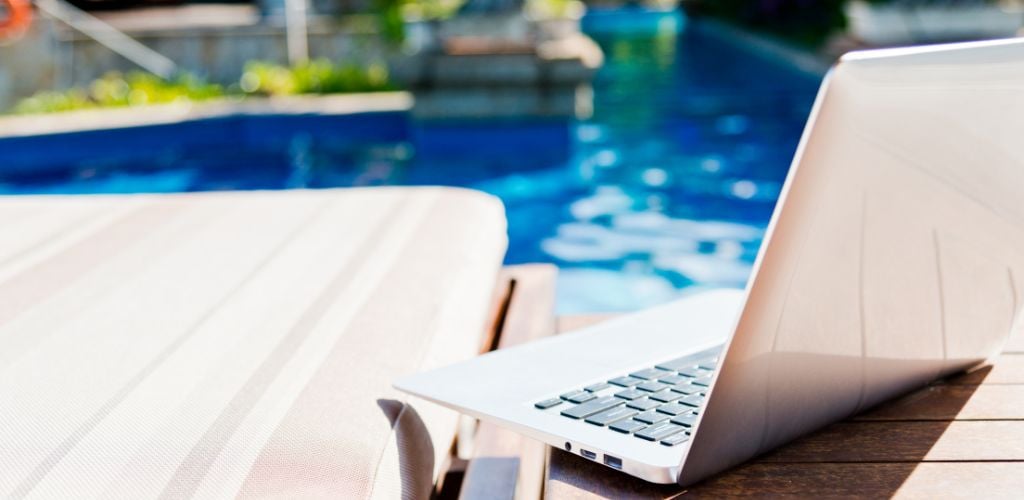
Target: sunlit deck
[{"x": 957, "y": 438}]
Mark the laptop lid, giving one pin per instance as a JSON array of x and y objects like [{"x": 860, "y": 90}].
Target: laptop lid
[{"x": 895, "y": 255}]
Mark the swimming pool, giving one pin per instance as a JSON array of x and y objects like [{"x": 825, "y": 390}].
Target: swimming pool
[{"x": 666, "y": 188}]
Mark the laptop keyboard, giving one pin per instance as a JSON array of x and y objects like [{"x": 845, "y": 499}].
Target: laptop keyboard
[{"x": 658, "y": 404}]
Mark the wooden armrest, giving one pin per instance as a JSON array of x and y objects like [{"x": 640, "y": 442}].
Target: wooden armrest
[{"x": 505, "y": 464}]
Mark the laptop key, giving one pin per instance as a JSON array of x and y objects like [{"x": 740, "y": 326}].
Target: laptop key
[
  {"x": 611, "y": 416},
  {"x": 674, "y": 409},
  {"x": 652, "y": 386},
  {"x": 630, "y": 394},
  {"x": 666, "y": 396},
  {"x": 578, "y": 397},
  {"x": 705, "y": 381},
  {"x": 674, "y": 379},
  {"x": 675, "y": 364},
  {"x": 687, "y": 420},
  {"x": 592, "y": 407},
  {"x": 627, "y": 426},
  {"x": 548, "y": 403},
  {"x": 626, "y": 381},
  {"x": 677, "y": 438},
  {"x": 660, "y": 431},
  {"x": 708, "y": 364},
  {"x": 644, "y": 404},
  {"x": 600, "y": 386},
  {"x": 651, "y": 417},
  {"x": 688, "y": 389},
  {"x": 693, "y": 372},
  {"x": 695, "y": 400},
  {"x": 648, "y": 374}
]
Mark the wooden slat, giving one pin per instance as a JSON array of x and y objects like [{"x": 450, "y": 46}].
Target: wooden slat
[
  {"x": 912, "y": 441},
  {"x": 531, "y": 310},
  {"x": 506, "y": 464},
  {"x": 572, "y": 477},
  {"x": 955, "y": 402},
  {"x": 869, "y": 480}
]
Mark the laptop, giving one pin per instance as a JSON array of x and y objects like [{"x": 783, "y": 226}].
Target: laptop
[{"x": 894, "y": 257}]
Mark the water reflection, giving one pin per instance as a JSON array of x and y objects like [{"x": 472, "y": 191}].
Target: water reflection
[{"x": 680, "y": 165}]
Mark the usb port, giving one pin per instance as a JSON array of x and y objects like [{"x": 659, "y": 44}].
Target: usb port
[
  {"x": 589, "y": 454},
  {"x": 611, "y": 461}
]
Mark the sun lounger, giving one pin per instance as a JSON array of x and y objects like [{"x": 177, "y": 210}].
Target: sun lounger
[{"x": 224, "y": 344}]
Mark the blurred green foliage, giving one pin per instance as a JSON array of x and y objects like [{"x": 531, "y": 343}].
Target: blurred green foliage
[
  {"x": 118, "y": 90},
  {"x": 390, "y": 20},
  {"x": 115, "y": 89},
  {"x": 554, "y": 8},
  {"x": 319, "y": 76},
  {"x": 427, "y": 10}
]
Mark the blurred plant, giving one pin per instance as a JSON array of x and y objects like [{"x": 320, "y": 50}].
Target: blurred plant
[
  {"x": 390, "y": 20},
  {"x": 318, "y": 76},
  {"x": 116, "y": 90},
  {"x": 392, "y": 15},
  {"x": 50, "y": 101},
  {"x": 555, "y": 8},
  {"x": 429, "y": 10}
]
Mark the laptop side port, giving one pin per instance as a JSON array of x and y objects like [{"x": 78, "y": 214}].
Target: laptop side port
[
  {"x": 588, "y": 454},
  {"x": 613, "y": 462}
]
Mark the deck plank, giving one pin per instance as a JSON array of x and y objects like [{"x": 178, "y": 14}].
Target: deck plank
[
  {"x": 909, "y": 441},
  {"x": 955, "y": 402},
  {"x": 960, "y": 437},
  {"x": 573, "y": 477}
]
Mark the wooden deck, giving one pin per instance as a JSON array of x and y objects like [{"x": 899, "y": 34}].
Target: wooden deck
[{"x": 961, "y": 437}]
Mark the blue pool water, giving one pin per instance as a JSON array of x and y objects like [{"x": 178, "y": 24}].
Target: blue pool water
[{"x": 666, "y": 188}]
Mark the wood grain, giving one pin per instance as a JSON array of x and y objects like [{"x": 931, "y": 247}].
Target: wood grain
[
  {"x": 911, "y": 441},
  {"x": 868, "y": 480},
  {"x": 506, "y": 464},
  {"x": 955, "y": 402},
  {"x": 959, "y": 437},
  {"x": 573, "y": 477}
]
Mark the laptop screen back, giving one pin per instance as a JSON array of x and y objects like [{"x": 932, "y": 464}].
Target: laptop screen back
[{"x": 895, "y": 256}]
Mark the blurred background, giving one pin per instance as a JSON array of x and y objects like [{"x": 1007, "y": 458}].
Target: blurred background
[{"x": 638, "y": 145}]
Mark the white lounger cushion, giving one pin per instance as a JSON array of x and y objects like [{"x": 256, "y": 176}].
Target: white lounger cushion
[{"x": 235, "y": 344}]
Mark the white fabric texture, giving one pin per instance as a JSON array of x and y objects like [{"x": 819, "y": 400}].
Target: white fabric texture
[{"x": 235, "y": 344}]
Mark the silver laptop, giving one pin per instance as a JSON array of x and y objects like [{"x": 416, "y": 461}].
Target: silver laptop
[{"x": 895, "y": 256}]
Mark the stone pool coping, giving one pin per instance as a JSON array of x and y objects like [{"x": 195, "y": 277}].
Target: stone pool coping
[{"x": 112, "y": 118}]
